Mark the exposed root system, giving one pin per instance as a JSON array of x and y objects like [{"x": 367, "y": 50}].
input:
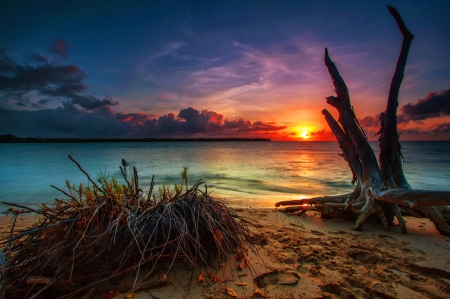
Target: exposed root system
[{"x": 107, "y": 230}]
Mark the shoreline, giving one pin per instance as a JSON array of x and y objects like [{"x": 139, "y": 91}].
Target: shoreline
[{"x": 327, "y": 257}]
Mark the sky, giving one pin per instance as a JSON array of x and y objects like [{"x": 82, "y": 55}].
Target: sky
[{"x": 119, "y": 69}]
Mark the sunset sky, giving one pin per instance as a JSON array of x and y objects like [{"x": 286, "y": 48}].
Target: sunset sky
[{"x": 216, "y": 68}]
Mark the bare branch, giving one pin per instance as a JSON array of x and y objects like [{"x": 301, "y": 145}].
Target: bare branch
[
  {"x": 346, "y": 146},
  {"x": 390, "y": 154}
]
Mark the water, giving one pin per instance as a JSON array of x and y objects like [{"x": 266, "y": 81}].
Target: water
[{"x": 242, "y": 173}]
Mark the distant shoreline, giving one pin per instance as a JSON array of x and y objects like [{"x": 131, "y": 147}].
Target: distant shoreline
[{"x": 13, "y": 139}]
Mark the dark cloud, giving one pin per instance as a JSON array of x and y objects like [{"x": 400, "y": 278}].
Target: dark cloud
[
  {"x": 370, "y": 121},
  {"x": 76, "y": 120},
  {"x": 67, "y": 120},
  {"x": 72, "y": 120},
  {"x": 40, "y": 103},
  {"x": 64, "y": 89},
  {"x": 92, "y": 103},
  {"x": 80, "y": 114},
  {"x": 166, "y": 124},
  {"x": 43, "y": 78},
  {"x": 242, "y": 125},
  {"x": 33, "y": 85},
  {"x": 435, "y": 104},
  {"x": 133, "y": 118},
  {"x": 193, "y": 121},
  {"x": 59, "y": 47},
  {"x": 200, "y": 122},
  {"x": 442, "y": 128},
  {"x": 320, "y": 133},
  {"x": 46, "y": 79}
]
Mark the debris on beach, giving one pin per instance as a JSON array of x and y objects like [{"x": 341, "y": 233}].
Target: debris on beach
[{"x": 100, "y": 233}]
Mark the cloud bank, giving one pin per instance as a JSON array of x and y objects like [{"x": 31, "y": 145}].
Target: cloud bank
[
  {"x": 435, "y": 104},
  {"x": 72, "y": 120},
  {"x": 31, "y": 87}
]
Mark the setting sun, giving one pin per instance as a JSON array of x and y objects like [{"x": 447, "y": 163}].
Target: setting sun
[
  {"x": 304, "y": 132},
  {"x": 304, "y": 135}
]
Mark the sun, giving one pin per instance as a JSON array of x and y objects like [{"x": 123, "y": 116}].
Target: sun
[
  {"x": 304, "y": 132},
  {"x": 304, "y": 135}
]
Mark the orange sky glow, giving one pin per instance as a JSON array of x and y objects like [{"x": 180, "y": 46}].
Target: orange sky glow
[{"x": 235, "y": 69}]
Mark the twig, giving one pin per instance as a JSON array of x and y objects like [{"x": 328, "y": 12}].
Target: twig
[
  {"x": 87, "y": 175},
  {"x": 125, "y": 176},
  {"x": 65, "y": 193}
]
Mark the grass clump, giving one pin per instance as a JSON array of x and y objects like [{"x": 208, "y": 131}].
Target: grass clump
[{"x": 108, "y": 229}]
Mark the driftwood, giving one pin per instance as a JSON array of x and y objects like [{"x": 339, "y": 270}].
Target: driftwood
[{"x": 380, "y": 185}]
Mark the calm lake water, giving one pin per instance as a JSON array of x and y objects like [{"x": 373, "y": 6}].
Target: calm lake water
[{"x": 242, "y": 173}]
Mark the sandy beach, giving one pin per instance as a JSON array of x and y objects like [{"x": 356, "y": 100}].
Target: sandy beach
[{"x": 309, "y": 257}]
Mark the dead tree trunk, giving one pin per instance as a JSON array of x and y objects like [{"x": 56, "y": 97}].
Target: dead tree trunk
[{"x": 381, "y": 185}]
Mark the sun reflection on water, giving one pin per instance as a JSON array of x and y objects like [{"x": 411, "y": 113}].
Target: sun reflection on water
[{"x": 242, "y": 173}]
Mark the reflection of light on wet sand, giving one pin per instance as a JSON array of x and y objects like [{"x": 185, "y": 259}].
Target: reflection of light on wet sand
[{"x": 261, "y": 201}]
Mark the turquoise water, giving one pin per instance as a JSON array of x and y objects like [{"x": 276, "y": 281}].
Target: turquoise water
[{"x": 242, "y": 173}]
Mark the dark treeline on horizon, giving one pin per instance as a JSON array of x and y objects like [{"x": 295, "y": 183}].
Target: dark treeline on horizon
[{"x": 8, "y": 138}]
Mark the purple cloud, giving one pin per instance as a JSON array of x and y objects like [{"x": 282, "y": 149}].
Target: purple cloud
[
  {"x": 242, "y": 125},
  {"x": 435, "y": 104},
  {"x": 92, "y": 103},
  {"x": 370, "y": 121},
  {"x": 193, "y": 121},
  {"x": 43, "y": 78},
  {"x": 46, "y": 79}
]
